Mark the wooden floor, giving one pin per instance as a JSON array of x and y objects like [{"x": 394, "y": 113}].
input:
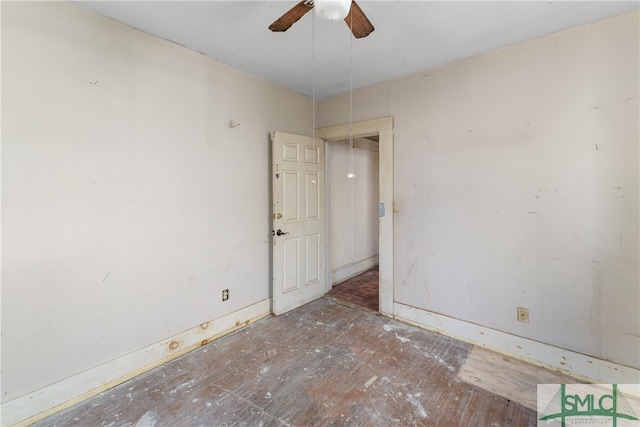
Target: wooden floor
[
  {"x": 323, "y": 364},
  {"x": 361, "y": 290}
]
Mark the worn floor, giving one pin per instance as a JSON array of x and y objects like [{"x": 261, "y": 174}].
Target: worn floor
[
  {"x": 361, "y": 290},
  {"x": 323, "y": 364}
]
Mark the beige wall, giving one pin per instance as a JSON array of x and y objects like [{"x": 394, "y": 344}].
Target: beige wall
[
  {"x": 128, "y": 203},
  {"x": 516, "y": 178}
]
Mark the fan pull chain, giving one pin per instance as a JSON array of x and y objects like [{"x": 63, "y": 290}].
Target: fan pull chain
[
  {"x": 313, "y": 91},
  {"x": 351, "y": 174},
  {"x": 313, "y": 74}
]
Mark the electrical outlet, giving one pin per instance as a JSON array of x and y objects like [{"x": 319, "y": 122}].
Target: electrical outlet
[
  {"x": 523, "y": 314},
  {"x": 225, "y": 295}
]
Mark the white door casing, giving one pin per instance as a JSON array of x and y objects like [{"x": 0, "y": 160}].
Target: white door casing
[
  {"x": 383, "y": 127},
  {"x": 298, "y": 221}
]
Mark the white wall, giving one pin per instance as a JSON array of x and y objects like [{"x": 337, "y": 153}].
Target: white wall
[
  {"x": 128, "y": 203},
  {"x": 516, "y": 177},
  {"x": 354, "y": 208}
]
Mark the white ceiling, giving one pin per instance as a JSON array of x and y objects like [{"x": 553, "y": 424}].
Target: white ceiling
[{"x": 409, "y": 36}]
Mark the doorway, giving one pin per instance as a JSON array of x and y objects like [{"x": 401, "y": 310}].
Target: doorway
[
  {"x": 383, "y": 128},
  {"x": 352, "y": 198}
]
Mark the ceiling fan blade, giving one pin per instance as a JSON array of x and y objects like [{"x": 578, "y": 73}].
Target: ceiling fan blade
[
  {"x": 291, "y": 16},
  {"x": 358, "y": 22}
]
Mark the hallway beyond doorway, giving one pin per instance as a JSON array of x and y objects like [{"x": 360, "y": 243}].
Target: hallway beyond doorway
[{"x": 361, "y": 290}]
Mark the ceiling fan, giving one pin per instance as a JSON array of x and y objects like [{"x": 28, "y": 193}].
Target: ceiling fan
[{"x": 351, "y": 13}]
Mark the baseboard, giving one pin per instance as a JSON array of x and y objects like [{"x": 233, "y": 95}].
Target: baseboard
[
  {"x": 348, "y": 271},
  {"x": 575, "y": 364},
  {"x": 42, "y": 403}
]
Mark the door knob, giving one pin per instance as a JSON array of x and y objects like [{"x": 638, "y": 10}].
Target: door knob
[{"x": 280, "y": 232}]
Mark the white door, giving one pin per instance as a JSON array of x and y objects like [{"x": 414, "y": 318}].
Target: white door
[{"x": 298, "y": 220}]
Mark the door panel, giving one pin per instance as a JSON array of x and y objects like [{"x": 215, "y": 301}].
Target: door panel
[
  {"x": 290, "y": 264},
  {"x": 290, "y": 190},
  {"x": 298, "y": 215},
  {"x": 312, "y": 211},
  {"x": 313, "y": 260}
]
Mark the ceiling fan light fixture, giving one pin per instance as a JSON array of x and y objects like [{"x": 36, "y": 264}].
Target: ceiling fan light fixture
[{"x": 332, "y": 10}]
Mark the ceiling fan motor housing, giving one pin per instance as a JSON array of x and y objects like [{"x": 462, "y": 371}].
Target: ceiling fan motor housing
[{"x": 332, "y": 10}]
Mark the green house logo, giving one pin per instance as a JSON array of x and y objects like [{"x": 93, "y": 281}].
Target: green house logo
[{"x": 588, "y": 404}]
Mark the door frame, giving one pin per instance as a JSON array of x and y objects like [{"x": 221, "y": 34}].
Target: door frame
[{"x": 383, "y": 127}]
